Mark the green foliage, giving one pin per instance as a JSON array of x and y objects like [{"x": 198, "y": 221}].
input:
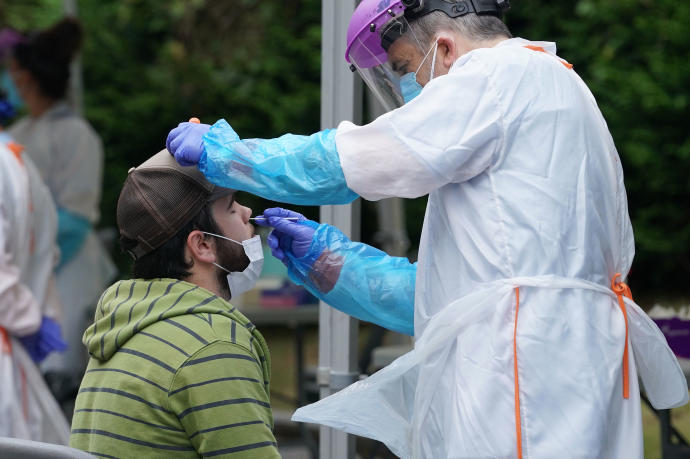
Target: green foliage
[
  {"x": 30, "y": 14},
  {"x": 151, "y": 64}
]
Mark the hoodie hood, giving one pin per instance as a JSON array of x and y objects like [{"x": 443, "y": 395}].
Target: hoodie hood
[{"x": 129, "y": 306}]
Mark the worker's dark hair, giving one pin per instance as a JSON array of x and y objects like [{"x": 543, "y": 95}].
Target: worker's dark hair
[
  {"x": 168, "y": 260},
  {"x": 47, "y": 55}
]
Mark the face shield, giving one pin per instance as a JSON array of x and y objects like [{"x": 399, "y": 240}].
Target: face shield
[
  {"x": 375, "y": 51},
  {"x": 380, "y": 58}
]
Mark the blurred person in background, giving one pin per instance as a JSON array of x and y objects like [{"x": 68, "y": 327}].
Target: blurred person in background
[
  {"x": 29, "y": 306},
  {"x": 69, "y": 156}
]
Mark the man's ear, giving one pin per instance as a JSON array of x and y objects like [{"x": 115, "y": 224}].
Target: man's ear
[
  {"x": 447, "y": 52},
  {"x": 200, "y": 248}
]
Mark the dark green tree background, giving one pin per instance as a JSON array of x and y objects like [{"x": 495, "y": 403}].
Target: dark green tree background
[{"x": 151, "y": 64}]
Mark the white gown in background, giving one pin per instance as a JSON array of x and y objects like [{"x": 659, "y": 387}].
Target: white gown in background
[
  {"x": 28, "y": 254},
  {"x": 69, "y": 155}
]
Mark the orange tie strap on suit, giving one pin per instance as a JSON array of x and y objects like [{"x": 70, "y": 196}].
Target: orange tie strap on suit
[
  {"x": 17, "y": 150},
  {"x": 5, "y": 343},
  {"x": 518, "y": 426},
  {"x": 621, "y": 289},
  {"x": 542, "y": 50}
]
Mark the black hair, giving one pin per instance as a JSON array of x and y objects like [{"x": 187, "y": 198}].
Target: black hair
[
  {"x": 168, "y": 260},
  {"x": 47, "y": 55}
]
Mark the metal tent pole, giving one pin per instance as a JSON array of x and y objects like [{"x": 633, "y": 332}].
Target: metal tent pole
[{"x": 341, "y": 95}]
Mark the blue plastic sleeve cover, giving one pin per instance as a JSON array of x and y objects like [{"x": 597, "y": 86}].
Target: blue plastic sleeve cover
[
  {"x": 295, "y": 169},
  {"x": 361, "y": 281},
  {"x": 72, "y": 232}
]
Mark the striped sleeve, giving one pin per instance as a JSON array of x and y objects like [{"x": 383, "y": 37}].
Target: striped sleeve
[{"x": 219, "y": 396}]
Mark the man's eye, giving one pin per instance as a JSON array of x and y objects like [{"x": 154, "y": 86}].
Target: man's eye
[{"x": 400, "y": 69}]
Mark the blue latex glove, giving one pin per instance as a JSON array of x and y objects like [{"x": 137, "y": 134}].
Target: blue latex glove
[
  {"x": 289, "y": 236},
  {"x": 186, "y": 144},
  {"x": 296, "y": 169},
  {"x": 47, "y": 339}
]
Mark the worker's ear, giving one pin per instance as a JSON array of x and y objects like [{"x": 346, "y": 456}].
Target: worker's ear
[
  {"x": 446, "y": 54},
  {"x": 200, "y": 248}
]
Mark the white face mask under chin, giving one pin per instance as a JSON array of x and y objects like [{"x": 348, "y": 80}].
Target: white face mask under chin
[{"x": 242, "y": 281}]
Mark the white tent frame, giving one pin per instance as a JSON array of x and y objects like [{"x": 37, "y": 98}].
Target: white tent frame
[{"x": 341, "y": 96}]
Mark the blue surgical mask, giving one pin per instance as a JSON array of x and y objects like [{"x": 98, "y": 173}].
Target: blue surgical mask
[{"x": 409, "y": 87}]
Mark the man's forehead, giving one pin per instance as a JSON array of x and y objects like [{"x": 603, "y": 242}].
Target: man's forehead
[
  {"x": 402, "y": 50},
  {"x": 225, "y": 200}
]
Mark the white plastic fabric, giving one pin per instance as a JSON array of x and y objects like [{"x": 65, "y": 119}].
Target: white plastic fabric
[
  {"x": 39, "y": 273},
  {"x": 69, "y": 156},
  {"x": 456, "y": 381},
  {"x": 525, "y": 190},
  {"x": 27, "y": 408},
  {"x": 27, "y": 245}
]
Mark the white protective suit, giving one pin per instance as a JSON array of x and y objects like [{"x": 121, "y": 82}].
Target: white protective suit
[
  {"x": 69, "y": 156},
  {"x": 526, "y": 195},
  {"x": 27, "y": 245},
  {"x": 28, "y": 226}
]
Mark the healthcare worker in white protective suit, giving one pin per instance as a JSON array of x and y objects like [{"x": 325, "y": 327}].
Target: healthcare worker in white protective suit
[
  {"x": 69, "y": 156},
  {"x": 527, "y": 343},
  {"x": 30, "y": 310}
]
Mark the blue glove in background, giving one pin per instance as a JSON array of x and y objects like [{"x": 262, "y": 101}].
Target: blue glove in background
[
  {"x": 185, "y": 142},
  {"x": 47, "y": 339},
  {"x": 295, "y": 169},
  {"x": 371, "y": 285},
  {"x": 72, "y": 231}
]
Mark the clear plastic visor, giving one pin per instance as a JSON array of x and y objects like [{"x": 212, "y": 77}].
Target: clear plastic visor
[
  {"x": 382, "y": 70},
  {"x": 384, "y": 83}
]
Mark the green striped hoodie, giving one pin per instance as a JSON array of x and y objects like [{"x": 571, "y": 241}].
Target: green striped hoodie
[{"x": 175, "y": 372}]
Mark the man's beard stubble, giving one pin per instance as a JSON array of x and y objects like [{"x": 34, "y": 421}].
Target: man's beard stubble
[{"x": 231, "y": 256}]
